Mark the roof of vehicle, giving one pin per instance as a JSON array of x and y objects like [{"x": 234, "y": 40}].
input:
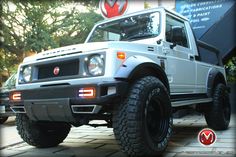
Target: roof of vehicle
[
  {"x": 176, "y": 14},
  {"x": 144, "y": 11}
]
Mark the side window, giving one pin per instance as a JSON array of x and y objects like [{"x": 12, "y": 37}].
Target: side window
[{"x": 176, "y": 32}]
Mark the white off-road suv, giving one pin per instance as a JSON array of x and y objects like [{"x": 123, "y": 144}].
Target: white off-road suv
[{"x": 132, "y": 72}]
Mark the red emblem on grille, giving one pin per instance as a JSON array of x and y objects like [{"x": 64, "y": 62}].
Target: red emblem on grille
[
  {"x": 56, "y": 70},
  {"x": 112, "y": 8},
  {"x": 207, "y": 137}
]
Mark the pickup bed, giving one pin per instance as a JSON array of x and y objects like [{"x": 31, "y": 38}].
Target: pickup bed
[{"x": 132, "y": 71}]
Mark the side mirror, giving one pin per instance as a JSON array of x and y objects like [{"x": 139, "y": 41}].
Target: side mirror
[{"x": 177, "y": 35}]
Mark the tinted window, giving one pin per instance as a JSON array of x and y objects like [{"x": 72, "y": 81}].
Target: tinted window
[{"x": 171, "y": 25}]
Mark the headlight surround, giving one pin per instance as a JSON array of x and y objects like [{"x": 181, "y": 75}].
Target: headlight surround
[
  {"x": 96, "y": 64},
  {"x": 26, "y": 73}
]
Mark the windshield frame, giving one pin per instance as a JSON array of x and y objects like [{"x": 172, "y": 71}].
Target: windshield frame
[{"x": 161, "y": 19}]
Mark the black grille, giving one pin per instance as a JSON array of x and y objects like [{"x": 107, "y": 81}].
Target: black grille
[{"x": 67, "y": 68}]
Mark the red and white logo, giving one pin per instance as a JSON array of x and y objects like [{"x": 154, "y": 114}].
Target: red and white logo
[
  {"x": 112, "y": 8},
  {"x": 56, "y": 70},
  {"x": 207, "y": 137}
]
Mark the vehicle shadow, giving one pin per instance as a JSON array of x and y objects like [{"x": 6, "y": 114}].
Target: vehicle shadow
[
  {"x": 10, "y": 121},
  {"x": 184, "y": 135}
]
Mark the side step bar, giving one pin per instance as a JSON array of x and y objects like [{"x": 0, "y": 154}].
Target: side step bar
[
  {"x": 189, "y": 102},
  {"x": 18, "y": 109},
  {"x": 86, "y": 109}
]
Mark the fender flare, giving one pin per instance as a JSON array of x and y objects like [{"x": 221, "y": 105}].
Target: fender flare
[
  {"x": 213, "y": 77},
  {"x": 135, "y": 63}
]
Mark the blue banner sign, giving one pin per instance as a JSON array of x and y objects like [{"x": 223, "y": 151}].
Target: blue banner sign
[{"x": 203, "y": 13}]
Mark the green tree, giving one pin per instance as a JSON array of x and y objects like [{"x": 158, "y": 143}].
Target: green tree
[
  {"x": 231, "y": 69},
  {"x": 8, "y": 62},
  {"x": 35, "y": 26}
]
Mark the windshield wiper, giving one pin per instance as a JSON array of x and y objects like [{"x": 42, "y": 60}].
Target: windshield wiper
[{"x": 140, "y": 36}]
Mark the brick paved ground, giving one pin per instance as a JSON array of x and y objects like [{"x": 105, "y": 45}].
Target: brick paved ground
[{"x": 86, "y": 141}]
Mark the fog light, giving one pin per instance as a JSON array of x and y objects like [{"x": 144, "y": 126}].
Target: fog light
[
  {"x": 15, "y": 96},
  {"x": 89, "y": 92},
  {"x": 111, "y": 90}
]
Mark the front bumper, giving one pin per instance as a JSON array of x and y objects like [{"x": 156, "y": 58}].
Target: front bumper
[
  {"x": 63, "y": 103},
  {"x": 5, "y": 110}
]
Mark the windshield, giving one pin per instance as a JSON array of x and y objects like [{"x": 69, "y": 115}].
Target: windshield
[
  {"x": 128, "y": 29},
  {"x": 11, "y": 82}
]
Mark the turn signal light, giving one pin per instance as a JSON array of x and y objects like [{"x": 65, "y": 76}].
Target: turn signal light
[
  {"x": 15, "y": 96},
  {"x": 89, "y": 92},
  {"x": 121, "y": 55}
]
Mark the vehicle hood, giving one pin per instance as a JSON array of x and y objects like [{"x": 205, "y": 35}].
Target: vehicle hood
[
  {"x": 78, "y": 48},
  {"x": 87, "y": 47}
]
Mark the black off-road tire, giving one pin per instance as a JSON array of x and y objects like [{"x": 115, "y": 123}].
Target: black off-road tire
[
  {"x": 218, "y": 112},
  {"x": 41, "y": 134},
  {"x": 143, "y": 122},
  {"x": 3, "y": 119}
]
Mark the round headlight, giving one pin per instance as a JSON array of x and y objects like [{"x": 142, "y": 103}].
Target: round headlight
[
  {"x": 96, "y": 65},
  {"x": 26, "y": 74}
]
